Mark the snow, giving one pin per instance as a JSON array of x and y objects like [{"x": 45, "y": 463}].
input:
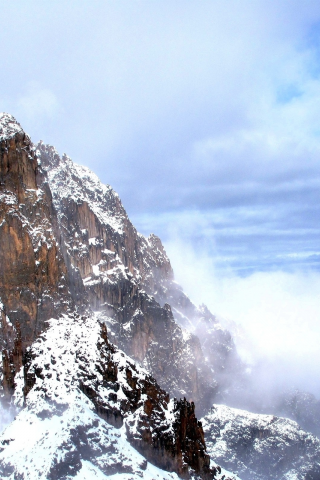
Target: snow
[
  {"x": 95, "y": 269},
  {"x": 254, "y": 444},
  {"x": 36, "y": 444},
  {"x": 108, "y": 252},
  {"x": 8, "y": 126},
  {"x": 56, "y": 415},
  {"x": 71, "y": 181},
  {"x": 6, "y": 416},
  {"x": 8, "y": 198}
]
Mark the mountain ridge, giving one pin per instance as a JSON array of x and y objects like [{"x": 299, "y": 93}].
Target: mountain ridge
[
  {"x": 41, "y": 290},
  {"x": 130, "y": 278}
]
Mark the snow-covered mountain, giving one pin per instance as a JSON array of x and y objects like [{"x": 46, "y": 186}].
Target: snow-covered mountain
[
  {"x": 261, "y": 447},
  {"x": 128, "y": 279},
  {"x": 57, "y": 359},
  {"x": 96, "y": 336},
  {"x": 82, "y": 398}
]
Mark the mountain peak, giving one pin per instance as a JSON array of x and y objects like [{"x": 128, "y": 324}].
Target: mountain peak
[{"x": 9, "y": 126}]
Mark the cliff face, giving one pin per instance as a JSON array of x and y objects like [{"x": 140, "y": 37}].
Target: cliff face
[
  {"x": 33, "y": 277},
  {"x": 76, "y": 278},
  {"x": 128, "y": 279}
]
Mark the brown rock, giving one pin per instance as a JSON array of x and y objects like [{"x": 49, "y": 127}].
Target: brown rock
[{"x": 33, "y": 276}]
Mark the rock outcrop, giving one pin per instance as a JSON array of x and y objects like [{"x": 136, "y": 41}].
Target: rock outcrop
[
  {"x": 261, "y": 447},
  {"x": 33, "y": 276},
  {"x": 128, "y": 279},
  {"x": 73, "y": 359}
]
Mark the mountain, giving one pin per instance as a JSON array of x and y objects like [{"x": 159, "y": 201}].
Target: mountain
[
  {"x": 128, "y": 279},
  {"x": 96, "y": 336},
  {"x": 74, "y": 386},
  {"x": 261, "y": 447},
  {"x": 57, "y": 359}
]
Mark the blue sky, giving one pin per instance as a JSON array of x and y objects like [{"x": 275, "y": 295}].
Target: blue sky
[{"x": 204, "y": 116}]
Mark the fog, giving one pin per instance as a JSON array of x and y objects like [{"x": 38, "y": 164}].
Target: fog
[
  {"x": 7, "y": 414},
  {"x": 274, "y": 315}
]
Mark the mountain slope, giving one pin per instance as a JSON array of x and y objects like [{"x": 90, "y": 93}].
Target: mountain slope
[
  {"x": 56, "y": 354},
  {"x": 128, "y": 279},
  {"x": 72, "y": 371},
  {"x": 261, "y": 447},
  {"x": 89, "y": 307}
]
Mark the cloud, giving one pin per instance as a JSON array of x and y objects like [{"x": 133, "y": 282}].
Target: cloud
[
  {"x": 37, "y": 109},
  {"x": 244, "y": 238},
  {"x": 153, "y": 79},
  {"x": 278, "y": 311},
  {"x": 256, "y": 189},
  {"x": 38, "y": 103},
  {"x": 7, "y": 414}
]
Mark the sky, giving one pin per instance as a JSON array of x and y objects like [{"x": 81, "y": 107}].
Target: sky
[{"x": 204, "y": 117}]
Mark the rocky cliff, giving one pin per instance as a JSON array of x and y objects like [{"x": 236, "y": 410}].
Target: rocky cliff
[
  {"x": 128, "y": 279},
  {"x": 95, "y": 334},
  {"x": 55, "y": 351},
  {"x": 33, "y": 276},
  {"x": 92, "y": 374}
]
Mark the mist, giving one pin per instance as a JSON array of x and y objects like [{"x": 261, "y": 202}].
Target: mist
[
  {"x": 7, "y": 414},
  {"x": 274, "y": 315}
]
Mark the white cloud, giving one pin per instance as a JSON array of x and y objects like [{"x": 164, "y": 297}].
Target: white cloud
[
  {"x": 38, "y": 103},
  {"x": 279, "y": 311}
]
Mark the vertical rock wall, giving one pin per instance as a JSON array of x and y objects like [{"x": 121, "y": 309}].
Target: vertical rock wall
[{"x": 33, "y": 276}]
